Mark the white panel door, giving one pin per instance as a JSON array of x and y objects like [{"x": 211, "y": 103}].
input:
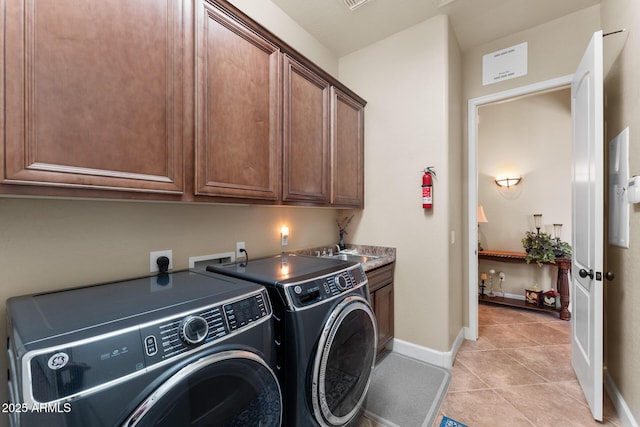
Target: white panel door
[{"x": 588, "y": 222}]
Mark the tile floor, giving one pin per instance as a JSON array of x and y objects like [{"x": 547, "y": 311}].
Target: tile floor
[{"x": 518, "y": 373}]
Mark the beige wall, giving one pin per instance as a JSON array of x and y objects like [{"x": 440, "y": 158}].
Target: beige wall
[
  {"x": 622, "y": 92},
  {"x": 554, "y": 50},
  {"x": 406, "y": 82},
  {"x": 51, "y": 244},
  {"x": 530, "y": 137}
]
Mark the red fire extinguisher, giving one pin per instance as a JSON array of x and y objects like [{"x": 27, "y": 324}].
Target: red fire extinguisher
[{"x": 427, "y": 187}]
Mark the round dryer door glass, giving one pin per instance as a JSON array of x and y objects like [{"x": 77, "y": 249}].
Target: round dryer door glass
[
  {"x": 344, "y": 362},
  {"x": 228, "y": 389}
]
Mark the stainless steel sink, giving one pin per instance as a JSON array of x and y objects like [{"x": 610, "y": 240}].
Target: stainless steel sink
[{"x": 355, "y": 257}]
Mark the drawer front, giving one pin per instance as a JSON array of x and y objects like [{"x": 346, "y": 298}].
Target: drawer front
[{"x": 380, "y": 277}]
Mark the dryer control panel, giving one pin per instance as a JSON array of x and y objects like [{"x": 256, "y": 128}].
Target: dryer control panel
[{"x": 308, "y": 293}]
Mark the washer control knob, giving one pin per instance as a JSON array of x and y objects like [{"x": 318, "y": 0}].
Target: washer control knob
[
  {"x": 341, "y": 282},
  {"x": 193, "y": 330}
]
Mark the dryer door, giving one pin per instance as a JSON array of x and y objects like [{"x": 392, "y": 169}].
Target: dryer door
[
  {"x": 344, "y": 362},
  {"x": 232, "y": 388}
]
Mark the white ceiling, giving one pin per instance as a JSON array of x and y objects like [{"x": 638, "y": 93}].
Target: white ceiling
[{"x": 474, "y": 21}]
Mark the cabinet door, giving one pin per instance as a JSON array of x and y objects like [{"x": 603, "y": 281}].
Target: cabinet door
[
  {"x": 306, "y": 174},
  {"x": 237, "y": 103},
  {"x": 348, "y": 150},
  {"x": 384, "y": 314},
  {"x": 94, "y": 94}
]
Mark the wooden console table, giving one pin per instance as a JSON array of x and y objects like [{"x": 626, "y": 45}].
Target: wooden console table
[{"x": 562, "y": 285}]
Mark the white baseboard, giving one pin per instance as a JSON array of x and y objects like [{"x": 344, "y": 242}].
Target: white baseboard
[
  {"x": 443, "y": 359},
  {"x": 624, "y": 412}
]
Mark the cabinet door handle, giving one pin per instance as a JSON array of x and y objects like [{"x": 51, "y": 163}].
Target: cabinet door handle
[{"x": 583, "y": 273}]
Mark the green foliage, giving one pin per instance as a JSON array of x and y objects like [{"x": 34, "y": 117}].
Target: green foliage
[{"x": 542, "y": 248}]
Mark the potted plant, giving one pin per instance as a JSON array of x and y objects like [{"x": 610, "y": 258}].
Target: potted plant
[{"x": 542, "y": 248}]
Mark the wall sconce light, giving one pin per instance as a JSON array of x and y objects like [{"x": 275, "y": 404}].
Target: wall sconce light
[
  {"x": 284, "y": 235},
  {"x": 508, "y": 181}
]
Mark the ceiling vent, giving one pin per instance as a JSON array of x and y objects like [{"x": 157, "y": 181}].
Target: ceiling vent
[{"x": 354, "y": 4}]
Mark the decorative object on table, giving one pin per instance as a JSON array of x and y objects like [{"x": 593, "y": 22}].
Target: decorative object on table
[
  {"x": 342, "y": 229},
  {"x": 501, "y": 277},
  {"x": 557, "y": 231},
  {"x": 541, "y": 247},
  {"x": 537, "y": 221},
  {"x": 533, "y": 295},
  {"x": 562, "y": 249},
  {"x": 491, "y": 273},
  {"x": 483, "y": 277},
  {"x": 551, "y": 299},
  {"x": 481, "y": 218}
]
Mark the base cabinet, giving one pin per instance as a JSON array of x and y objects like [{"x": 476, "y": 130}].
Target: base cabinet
[{"x": 381, "y": 296}]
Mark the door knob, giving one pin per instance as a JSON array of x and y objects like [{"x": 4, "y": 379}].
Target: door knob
[
  {"x": 609, "y": 275},
  {"x": 584, "y": 273}
]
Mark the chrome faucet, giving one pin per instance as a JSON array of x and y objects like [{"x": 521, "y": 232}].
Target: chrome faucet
[{"x": 338, "y": 249}]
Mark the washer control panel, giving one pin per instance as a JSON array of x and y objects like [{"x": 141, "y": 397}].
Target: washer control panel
[
  {"x": 306, "y": 294},
  {"x": 67, "y": 370},
  {"x": 181, "y": 334}
]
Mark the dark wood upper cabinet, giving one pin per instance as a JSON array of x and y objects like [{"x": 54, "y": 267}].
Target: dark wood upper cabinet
[
  {"x": 306, "y": 169},
  {"x": 238, "y": 144},
  {"x": 169, "y": 100},
  {"x": 94, "y": 94},
  {"x": 348, "y": 150}
]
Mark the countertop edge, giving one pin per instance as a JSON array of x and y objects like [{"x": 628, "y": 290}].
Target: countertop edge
[{"x": 385, "y": 255}]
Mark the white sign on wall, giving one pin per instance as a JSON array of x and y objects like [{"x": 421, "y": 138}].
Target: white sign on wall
[{"x": 504, "y": 64}]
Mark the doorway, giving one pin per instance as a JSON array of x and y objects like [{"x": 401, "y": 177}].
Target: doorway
[
  {"x": 526, "y": 140},
  {"x": 475, "y": 176}
]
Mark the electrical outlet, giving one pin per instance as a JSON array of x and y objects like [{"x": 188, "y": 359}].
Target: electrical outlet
[
  {"x": 153, "y": 257},
  {"x": 240, "y": 245},
  {"x": 501, "y": 276}
]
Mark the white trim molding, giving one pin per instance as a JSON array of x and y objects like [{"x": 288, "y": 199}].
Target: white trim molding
[
  {"x": 471, "y": 331},
  {"x": 443, "y": 359},
  {"x": 624, "y": 412}
]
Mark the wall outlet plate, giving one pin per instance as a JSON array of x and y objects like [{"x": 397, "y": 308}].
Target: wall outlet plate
[
  {"x": 153, "y": 259},
  {"x": 240, "y": 245}
]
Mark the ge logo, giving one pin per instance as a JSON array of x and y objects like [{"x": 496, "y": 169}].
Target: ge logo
[{"x": 58, "y": 361}]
